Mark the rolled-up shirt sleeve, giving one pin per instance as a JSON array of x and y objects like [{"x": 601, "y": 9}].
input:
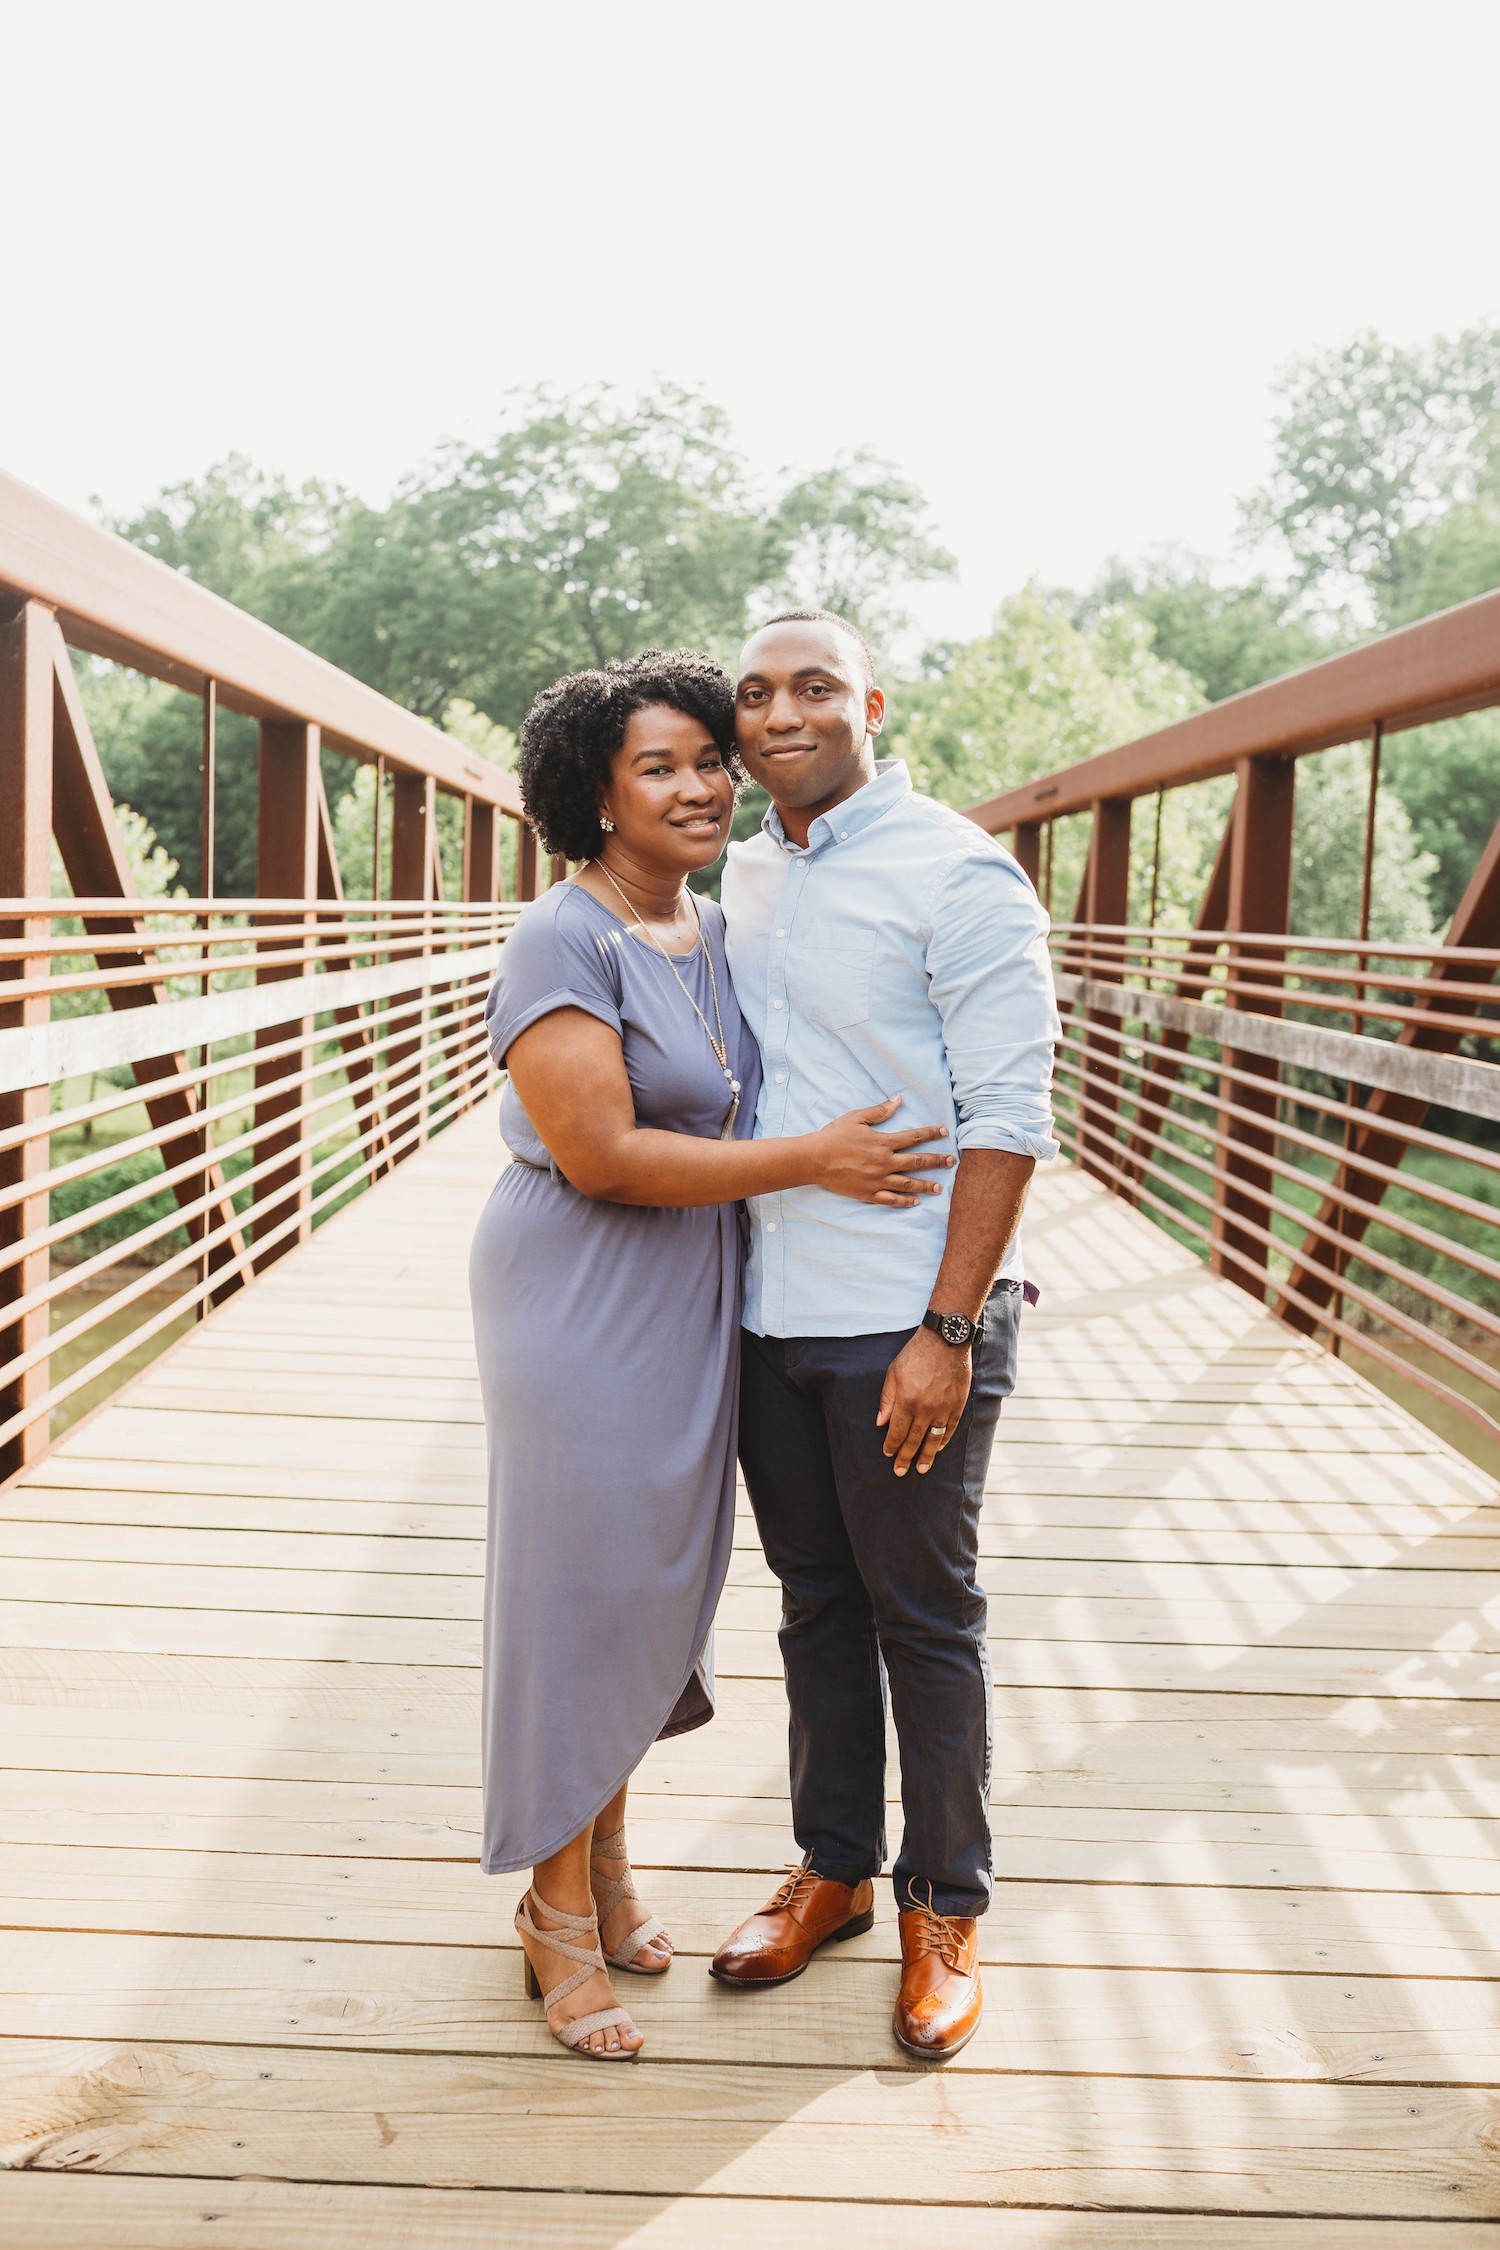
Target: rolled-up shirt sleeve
[{"x": 991, "y": 983}]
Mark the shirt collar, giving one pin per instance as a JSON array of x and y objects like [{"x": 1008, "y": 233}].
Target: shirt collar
[{"x": 892, "y": 782}]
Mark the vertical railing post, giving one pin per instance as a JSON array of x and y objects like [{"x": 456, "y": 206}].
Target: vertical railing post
[
  {"x": 526, "y": 861},
  {"x": 208, "y": 788},
  {"x": 481, "y": 886},
  {"x": 481, "y": 857},
  {"x": 26, "y": 634},
  {"x": 1106, "y": 900},
  {"x": 1029, "y": 850},
  {"x": 413, "y": 826},
  {"x": 286, "y": 867},
  {"x": 1260, "y": 897}
]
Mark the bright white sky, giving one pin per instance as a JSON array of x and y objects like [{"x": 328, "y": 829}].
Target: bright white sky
[{"x": 1047, "y": 257}]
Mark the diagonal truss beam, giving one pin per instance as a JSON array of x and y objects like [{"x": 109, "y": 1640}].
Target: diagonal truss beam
[{"x": 93, "y": 854}]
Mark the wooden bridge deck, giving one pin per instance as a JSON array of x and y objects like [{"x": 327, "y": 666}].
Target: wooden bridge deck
[{"x": 1240, "y": 1966}]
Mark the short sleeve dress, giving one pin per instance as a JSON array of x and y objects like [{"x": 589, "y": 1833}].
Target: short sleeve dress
[{"x": 608, "y": 1345}]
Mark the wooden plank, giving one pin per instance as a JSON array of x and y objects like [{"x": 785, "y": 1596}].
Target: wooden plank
[
  {"x": 395, "y": 1819},
  {"x": 1263, "y": 1589},
  {"x": 1068, "y": 1717},
  {"x": 1243, "y": 1769},
  {"x": 455, "y": 1999},
  {"x": 437, "y": 1903},
  {"x": 56, "y": 2211},
  {"x": 685, "y": 2130},
  {"x": 1253, "y": 1605},
  {"x": 1116, "y": 1768},
  {"x": 1420, "y": 1545},
  {"x": 317, "y": 1637}
]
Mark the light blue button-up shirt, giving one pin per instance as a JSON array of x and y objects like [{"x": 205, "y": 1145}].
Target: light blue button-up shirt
[{"x": 902, "y": 952}]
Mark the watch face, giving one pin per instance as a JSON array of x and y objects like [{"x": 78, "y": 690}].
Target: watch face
[{"x": 957, "y": 1328}]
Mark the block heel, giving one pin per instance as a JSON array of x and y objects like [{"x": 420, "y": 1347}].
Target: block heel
[
  {"x": 573, "y": 1937},
  {"x": 856, "y": 1928}
]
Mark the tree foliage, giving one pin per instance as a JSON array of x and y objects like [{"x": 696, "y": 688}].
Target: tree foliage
[
  {"x": 1227, "y": 637},
  {"x": 1037, "y": 692},
  {"x": 588, "y": 527},
  {"x": 1376, "y": 445}
]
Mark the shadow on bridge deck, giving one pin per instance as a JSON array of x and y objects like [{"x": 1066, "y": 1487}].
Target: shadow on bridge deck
[{"x": 1245, "y": 1643}]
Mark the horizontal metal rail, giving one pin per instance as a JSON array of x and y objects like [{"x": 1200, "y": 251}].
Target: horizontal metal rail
[
  {"x": 331, "y": 1041},
  {"x": 1299, "y": 1159},
  {"x": 111, "y": 599},
  {"x": 1435, "y": 669}
]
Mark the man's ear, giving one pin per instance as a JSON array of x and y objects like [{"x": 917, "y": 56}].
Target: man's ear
[{"x": 874, "y": 711}]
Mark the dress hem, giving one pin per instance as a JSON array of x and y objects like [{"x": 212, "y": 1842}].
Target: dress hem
[{"x": 662, "y": 1734}]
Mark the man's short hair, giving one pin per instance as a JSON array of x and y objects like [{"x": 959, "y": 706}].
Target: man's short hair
[{"x": 827, "y": 617}]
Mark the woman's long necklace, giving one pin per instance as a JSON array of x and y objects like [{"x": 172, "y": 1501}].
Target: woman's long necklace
[{"x": 719, "y": 1044}]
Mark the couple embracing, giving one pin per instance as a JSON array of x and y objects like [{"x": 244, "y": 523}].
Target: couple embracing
[{"x": 856, "y": 1050}]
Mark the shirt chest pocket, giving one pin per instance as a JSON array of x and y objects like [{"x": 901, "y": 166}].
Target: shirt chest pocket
[{"x": 832, "y": 982}]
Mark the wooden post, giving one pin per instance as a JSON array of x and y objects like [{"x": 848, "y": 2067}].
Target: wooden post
[
  {"x": 1106, "y": 900},
  {"x": 286, "y": 866},
  {"x": 1260, "y": 897},
  {"x": 1028, "y": 835},
  {"x": 25, "y": 872}
]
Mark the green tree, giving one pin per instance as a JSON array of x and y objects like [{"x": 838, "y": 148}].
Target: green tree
[
  {"x": 1328, "y": 854},
  {"x": 590, "y": 527},
  {"x": 234, "y": 529},
  {"x": 1038, "y": 692},
  {"x": 1448, "y": 778},
  {"x": 1374, "y": 446},
  {"x": 1226, "y": 637},
  {"x": 1456, "y": 557}
]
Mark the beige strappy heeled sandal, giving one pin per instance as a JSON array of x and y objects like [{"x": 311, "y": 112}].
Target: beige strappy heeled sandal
[
  {"x": 590, "y": 1960},
  {"x": 607, "y": 1896}
]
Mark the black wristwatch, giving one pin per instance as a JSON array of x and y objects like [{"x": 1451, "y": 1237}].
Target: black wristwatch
[{"x": 955, "y": 1328}]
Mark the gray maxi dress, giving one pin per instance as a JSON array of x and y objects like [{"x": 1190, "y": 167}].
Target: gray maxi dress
[{"x": 608, "y": 1345}]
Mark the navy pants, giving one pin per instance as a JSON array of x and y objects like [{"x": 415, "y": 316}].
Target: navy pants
[{"x": 879, "y": 1583}]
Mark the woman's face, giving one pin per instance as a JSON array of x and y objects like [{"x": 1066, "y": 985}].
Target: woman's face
[{"x": 669, "y": 794}]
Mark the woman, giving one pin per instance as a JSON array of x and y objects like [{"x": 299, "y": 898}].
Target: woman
[{"x": 606, "y": 1287}]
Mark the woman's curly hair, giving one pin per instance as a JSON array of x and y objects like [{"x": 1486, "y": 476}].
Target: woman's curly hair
[{"x": 575, "y": 728}]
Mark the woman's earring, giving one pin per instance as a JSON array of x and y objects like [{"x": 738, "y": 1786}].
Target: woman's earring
[{"x": 606, "y": 824}]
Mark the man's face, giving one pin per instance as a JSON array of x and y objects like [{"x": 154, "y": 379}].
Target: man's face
[{"x": 804, "y": 714}]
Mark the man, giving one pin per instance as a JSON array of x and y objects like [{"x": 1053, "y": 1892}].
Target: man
[{"x": 881, "y": 944}]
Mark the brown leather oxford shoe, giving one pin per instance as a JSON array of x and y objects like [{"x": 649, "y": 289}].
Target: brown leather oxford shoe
[
  {"x": 776, "y": 1944},
  {"x": 941, "y": 1999}
]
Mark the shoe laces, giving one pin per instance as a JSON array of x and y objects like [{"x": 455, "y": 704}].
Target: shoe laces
[
  {"x": 801, "y": 1879},
  {"x": 938, "y": 1933}
]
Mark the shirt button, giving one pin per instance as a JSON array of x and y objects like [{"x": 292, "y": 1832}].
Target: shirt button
[
  {"x": 770, "y": 1226},
  {"x": 778, "y": 1003},
  {"x": 843, "y": 835},
  {"x": 781, "y": 1077},
  {"x": 781, "y": 933}
]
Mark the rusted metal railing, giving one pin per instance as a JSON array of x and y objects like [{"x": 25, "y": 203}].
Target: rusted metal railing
[
  {"x": 1361, "y": 1203},
  {"x": 188, "y": 1085},
  {"x": 242, "y": 1069},
  {"x": 1319, "y": 1116}
]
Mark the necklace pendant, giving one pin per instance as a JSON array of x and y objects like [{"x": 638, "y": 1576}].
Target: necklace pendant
[{"x": 726, "y": 1130}]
